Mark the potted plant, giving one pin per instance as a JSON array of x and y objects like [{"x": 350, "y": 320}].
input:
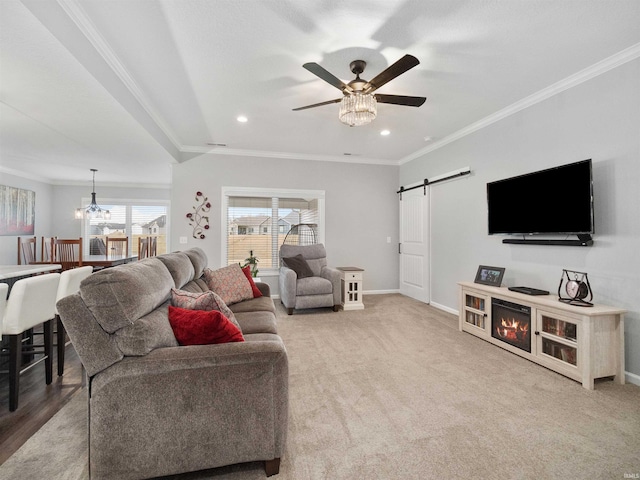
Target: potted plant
[{"x": 253, "y": 261}]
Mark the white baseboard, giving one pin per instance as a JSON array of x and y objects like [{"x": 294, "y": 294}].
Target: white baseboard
[
  {"x": 444, "y": 308},
  {"x": 632, "y": 378},
  {"x": 379, "y": 292},
  {"x": 366, "y": 292}
]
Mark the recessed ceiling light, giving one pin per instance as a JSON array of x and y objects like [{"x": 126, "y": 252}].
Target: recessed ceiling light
[
  {"x": 427, "y": 139},
  {"x": 242, "y": 119},
  {"x": 384, "y": 133}
]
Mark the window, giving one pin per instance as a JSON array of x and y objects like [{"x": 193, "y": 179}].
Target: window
[
  {"x": 258, "y": 220},
  {"x": 130, "y": 218}
]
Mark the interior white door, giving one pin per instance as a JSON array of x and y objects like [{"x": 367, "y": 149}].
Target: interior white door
[{"x": 414, "y": 244}]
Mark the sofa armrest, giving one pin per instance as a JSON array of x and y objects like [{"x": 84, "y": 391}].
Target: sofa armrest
[
  {"x": 287, "y": 285},
  {"x": 264, "y": 288},
  {"x": 182, "y": 359},
  {"x": 95, "y": 347},
  {"x": 335, "y": 277},
  {"x": 222, "y": 404}
]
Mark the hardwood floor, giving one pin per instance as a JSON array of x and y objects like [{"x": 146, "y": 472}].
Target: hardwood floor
[{"x": 37, "y": 403}]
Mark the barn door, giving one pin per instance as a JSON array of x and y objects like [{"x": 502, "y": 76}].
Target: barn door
[{"x": 414, "y": 244}]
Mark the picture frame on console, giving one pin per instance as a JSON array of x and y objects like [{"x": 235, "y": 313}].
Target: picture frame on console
[{"x": 491, "y": 276}]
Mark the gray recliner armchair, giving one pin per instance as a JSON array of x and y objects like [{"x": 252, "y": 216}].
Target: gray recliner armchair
[{"x": 314, "y": 284}]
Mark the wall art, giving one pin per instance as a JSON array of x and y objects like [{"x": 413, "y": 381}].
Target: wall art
[
  {"x": 17, "y": 211},
  {"x": 197, "y": 220}
]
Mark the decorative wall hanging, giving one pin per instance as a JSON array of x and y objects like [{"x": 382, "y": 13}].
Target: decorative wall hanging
[
  {"x": 17, "y": 211},
  {"x": 197, "y": 220}
]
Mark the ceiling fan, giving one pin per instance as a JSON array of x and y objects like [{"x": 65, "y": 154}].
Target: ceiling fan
[{"x": 358, "y": 105}]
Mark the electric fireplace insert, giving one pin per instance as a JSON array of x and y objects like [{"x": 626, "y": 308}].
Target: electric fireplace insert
[{"x": 511, "y": 323}]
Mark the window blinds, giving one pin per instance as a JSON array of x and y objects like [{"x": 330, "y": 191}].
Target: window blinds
[{"x": 260, "y": 225}]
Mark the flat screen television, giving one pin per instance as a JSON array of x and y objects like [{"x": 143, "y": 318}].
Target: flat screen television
[{"x": 555, "y": 201}]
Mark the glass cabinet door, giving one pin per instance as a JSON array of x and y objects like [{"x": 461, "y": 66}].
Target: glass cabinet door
[
  {"x": 475, "y": 313},
  {"x": 559, "y": 338}
]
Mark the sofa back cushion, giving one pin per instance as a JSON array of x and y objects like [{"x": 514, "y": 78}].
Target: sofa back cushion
[
  {"x": 198, "y": 259},
  {"x": 149, "y": 332},
  {"x": 196, "y": 286},
  {"x": 179, "y": 266},
  {"x": 119, "y": 296}
]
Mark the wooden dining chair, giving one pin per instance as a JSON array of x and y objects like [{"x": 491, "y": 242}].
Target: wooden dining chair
[
  {"x": 26, "y": 250},
  {"x": 143, "y": 247},
  {"x": 153, "y": 246},
  {"x": 97, "y": 246},
  {"x": 117, "y": 246},
  {"x": 67, "y": 252},
  {"x": 46, "y": 252}
]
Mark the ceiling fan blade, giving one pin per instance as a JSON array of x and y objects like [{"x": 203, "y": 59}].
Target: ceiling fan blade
[
  {"x": 405, "y": 63},
  {"x": 318, "y": 104},
  {"x": 400, "y": 100},
  {"x": 331, "y": 79}
]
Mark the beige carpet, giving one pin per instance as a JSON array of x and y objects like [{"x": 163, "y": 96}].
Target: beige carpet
[{"x": 396, "y": 392}]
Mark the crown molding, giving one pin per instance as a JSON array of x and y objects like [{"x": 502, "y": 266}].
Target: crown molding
[
  {"x": 25, "y": 175},
  {"x": 287, "y": 155},
  {"x": 74, "y": 183},
  {"x": 78, "y": 16},
  {"x": 620, "y": 58},
  {"x": 83, "y": 183}
]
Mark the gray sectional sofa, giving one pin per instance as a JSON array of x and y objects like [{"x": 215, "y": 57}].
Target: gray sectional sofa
[{"x": 156, "y": 408}]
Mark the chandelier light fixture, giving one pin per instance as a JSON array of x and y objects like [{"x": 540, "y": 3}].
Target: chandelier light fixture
[
  {"x": 358, "y": 109},
  {"x": 93, "y": 210}
]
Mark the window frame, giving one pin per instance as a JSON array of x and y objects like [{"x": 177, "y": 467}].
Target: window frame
[
  {"x": 128, "y": 203},
  {"x": 259, "y": 192}
]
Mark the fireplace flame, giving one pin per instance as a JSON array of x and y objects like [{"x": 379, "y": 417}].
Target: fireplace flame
[{"x": 512, "y": 329}]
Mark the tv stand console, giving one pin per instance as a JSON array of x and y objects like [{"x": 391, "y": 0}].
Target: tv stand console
[{"x": 582, "y": 343}]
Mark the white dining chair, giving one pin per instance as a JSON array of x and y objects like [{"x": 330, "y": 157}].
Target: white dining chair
[
  {"x": 69, "y": 284},
  {"x": 4, "y": 290},
  {"x": 31, "y": 303}
]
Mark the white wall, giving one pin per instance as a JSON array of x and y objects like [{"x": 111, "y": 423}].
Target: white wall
[
  {"x": 361, "y": 208},
  {"x": 598, "y": 119},
  {"x": 44, "y": 209}
]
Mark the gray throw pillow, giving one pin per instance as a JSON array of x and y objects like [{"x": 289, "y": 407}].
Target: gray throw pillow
[{"x": 299, "y": 265}]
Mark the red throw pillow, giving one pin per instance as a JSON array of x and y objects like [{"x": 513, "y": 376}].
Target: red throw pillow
[
  {"x": 202, "y": 327},
  {"x": 247, "y": 273}
]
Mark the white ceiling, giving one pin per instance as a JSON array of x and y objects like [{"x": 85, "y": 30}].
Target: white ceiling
[{"x": 131, "y": 86}]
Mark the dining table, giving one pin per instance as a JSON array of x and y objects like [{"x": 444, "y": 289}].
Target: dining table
[
  {"x": 107, "y": 260},
  {"x": 12, "y": 273}
]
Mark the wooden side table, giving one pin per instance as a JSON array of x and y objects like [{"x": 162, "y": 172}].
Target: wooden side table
[{"x": 351, "y": 288}]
